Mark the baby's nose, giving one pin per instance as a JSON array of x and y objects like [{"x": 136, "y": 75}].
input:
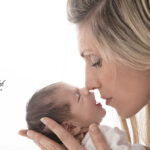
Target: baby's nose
[{"x": 84, "y": 91}]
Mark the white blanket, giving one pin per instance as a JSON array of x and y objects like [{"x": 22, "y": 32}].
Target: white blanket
[{"x": 115, "y": 138}]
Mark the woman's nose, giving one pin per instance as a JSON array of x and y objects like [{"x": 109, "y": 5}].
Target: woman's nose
[{"x": 91, "y": 81}]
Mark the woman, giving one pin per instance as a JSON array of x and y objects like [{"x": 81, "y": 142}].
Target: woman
[{"x": 114, "y": 40}]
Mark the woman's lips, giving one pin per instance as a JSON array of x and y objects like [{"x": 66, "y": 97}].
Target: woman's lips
[{"x": 108, "y": 100}]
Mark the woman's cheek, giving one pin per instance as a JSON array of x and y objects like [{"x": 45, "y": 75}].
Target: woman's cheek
[{"x": 124, "y": 110}]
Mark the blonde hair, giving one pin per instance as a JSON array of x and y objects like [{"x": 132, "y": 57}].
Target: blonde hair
[
  {"x": 124, "y": 27},
  {"x": 139, "y": 133}
]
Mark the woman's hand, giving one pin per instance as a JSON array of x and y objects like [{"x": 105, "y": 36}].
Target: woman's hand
[
  {"x": 40, "y": 140},
  {"x": 47, "y": 144},
  {"x": 98, "y": 138},
  {"x": 68, "y": 140}
]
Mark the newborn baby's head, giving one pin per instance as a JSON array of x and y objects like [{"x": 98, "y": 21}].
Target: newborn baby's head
[{"x": 69, "y": 106}]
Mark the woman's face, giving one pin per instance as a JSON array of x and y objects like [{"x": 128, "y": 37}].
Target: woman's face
[{"x": 123, "y": 88}]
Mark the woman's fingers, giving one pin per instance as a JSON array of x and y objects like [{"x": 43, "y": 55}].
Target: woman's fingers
[
  {"x": 44, "y": 141},
  {"x": 98, "y": 138},
  {"x": 40, "y": 146},
  {"x": 68, "y": 140},
  {"x": 23, "y": 132}
]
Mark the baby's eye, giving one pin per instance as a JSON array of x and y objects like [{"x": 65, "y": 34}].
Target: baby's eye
[
  {"x": 95, "y": 60},
  {"x": 78, "y": 95}
]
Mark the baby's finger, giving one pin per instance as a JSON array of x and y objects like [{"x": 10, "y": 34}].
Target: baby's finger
[
  {"x": 84, "y": 130},
  {"x": 68, "y": 140},
  {"x": 98, "y": 138},
  {"x": 80, "y": 137},
  {"x": 75, "y": 131}
]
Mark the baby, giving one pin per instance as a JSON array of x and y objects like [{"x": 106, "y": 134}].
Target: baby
[{"x": 72, "y": 108}]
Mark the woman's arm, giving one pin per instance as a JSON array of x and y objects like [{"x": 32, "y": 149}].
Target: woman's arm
[{"x": 68, "y": 140}]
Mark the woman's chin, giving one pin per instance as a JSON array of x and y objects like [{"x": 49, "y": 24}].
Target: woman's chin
[{"x": 124, "y": 115}]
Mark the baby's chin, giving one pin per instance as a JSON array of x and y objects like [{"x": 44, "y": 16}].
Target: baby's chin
[
  {"x": 98, "y": 121},
  {"x": 101, "y": 118}
]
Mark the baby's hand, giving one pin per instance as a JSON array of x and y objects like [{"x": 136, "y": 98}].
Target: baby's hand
[{"x": 79, "y": 133}]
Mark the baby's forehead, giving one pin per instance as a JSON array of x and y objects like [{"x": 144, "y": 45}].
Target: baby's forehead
[
  {"x": 66, "y": 86},
  {"x": 66, "y": 89},
  {"x": 62, "y": 94}
]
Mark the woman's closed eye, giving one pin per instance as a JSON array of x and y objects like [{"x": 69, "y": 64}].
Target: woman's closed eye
[{"x": 95, "y": 60}]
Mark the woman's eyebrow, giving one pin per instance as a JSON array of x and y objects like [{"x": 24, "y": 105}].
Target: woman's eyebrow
[{"x": 86, "y": 52}]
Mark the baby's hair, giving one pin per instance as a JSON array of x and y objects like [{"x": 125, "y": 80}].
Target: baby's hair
[{"x": 44, "y": 104}]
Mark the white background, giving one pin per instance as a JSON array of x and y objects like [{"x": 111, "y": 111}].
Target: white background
[{"x": 38, "y": 46}]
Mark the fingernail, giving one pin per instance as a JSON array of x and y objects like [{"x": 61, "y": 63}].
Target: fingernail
[
  {"x": 29, "y": 134},
  {"x": 94, "y": 128},
  {"x": 43, "y": 120}
]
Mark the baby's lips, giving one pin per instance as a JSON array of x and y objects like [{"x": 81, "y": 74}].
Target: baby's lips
[{"x": 99, "y": 104}]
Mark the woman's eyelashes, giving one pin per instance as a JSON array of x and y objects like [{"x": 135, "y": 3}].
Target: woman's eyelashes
[
  {"x": 96, "y": 64},
  {"x": 95, "y": 60}
]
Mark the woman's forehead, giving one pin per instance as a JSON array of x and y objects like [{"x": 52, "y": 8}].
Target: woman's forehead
[
  {"x": 87, "y": 43},
  {"x": 85, "y": 36}
]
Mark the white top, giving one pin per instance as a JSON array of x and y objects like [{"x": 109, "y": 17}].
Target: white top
[{"x": 115, "y": 138}]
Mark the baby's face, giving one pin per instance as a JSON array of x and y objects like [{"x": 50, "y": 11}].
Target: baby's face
[{"x": 83, "y": 105}]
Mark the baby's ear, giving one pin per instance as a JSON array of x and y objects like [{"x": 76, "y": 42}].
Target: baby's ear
[{"x": 71, "y": 127}]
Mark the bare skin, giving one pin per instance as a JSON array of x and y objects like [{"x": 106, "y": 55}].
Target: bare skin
[
  {"x": 68, "y": 140},
  {"x": 120, "y": 88},
  {"x": 99, "y": 77}
]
